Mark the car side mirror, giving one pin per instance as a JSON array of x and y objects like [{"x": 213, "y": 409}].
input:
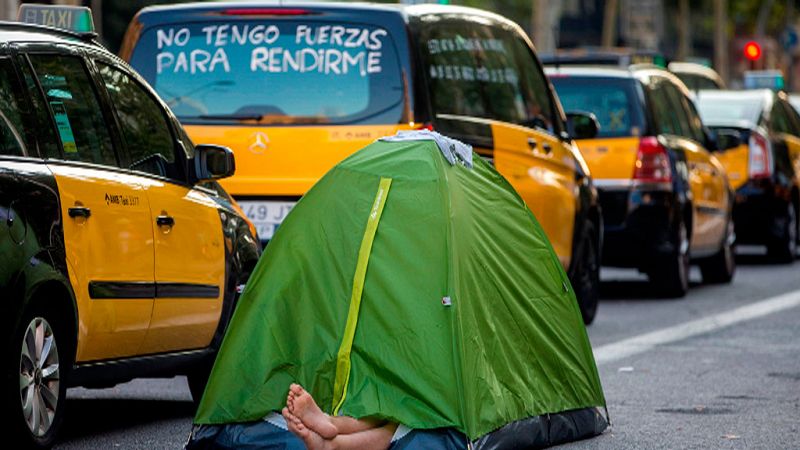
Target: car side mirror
[
  {"x": 582, "y": 125},
  {"x": 213, "y": 162},
  {"x": 727, "y": 139}
]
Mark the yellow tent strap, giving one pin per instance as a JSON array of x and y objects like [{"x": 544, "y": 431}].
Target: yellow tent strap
[{"x": 343, "y": 357}]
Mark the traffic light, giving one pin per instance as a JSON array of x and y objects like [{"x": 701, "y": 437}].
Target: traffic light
[{"x": 752, "y": 51}]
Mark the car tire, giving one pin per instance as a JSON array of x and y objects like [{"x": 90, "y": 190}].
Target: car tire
[
  {"x": 197, "y": 380},
  {"x": 670, "y": 276},
  {"x": 784, "y": 249},
  {"x": 40, "y": 359},
  {"x": 721, "y": 267},
  {"x": 585, "y": 277}
]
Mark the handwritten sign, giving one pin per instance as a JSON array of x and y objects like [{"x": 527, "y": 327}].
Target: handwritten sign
[
  {"x": 468, "y": 59},
  {"x": 328, "y": 49},
  {"x": 459, "y": 43},
  {"x": 466, "y": 73}
]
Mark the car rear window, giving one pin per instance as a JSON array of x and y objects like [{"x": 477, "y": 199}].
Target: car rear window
[
  {"x": 722, "y": 110},
  {"x": 614, "y": 102},
  {"x": 697, "y": 82},
  {"x": 276, "y": 72}
]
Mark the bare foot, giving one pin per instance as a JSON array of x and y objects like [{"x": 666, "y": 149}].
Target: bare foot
[
  {"x": 312, "y": 440},
  {"x": 303, "y": 406}
]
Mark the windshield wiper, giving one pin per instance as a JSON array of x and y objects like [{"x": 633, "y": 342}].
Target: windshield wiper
[{"x": 233, "y": 116}]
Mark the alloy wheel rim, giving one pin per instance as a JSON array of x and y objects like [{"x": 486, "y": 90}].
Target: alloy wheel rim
[{"x": 39, "y": 376}]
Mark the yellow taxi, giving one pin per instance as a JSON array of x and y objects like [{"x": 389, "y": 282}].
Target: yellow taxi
[
  {"x": 665, "y": 197},
  {"x": 295, "y": 88},
  {"x": 120, "y": 255},
  {"x": 763, "y": 164}
]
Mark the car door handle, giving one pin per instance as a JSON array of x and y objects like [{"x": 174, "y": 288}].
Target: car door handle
[
  {"x": 165, "y": 221},
  {"x": 79, "y": 211},
  {"x": 532, "y": 143}
]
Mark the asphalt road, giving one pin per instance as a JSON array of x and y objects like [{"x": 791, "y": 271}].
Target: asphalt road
[{"x": 723, "y": 371}]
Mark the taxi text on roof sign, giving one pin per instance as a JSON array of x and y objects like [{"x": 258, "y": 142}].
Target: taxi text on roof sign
[{"x": 73, "y": 18}]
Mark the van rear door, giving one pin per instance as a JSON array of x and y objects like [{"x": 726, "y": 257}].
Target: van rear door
[{"x": 292, "y": 91}]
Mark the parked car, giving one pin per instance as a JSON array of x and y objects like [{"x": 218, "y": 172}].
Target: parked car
[
  {"x": 121, "y": 256},
  {"x": 602, "y": 56},
  {"x": 696, "y": 76},
  {"x": 665, "y": 197},
  {"x": 294, "y": 88},
  {"x": 764, "y": 168},
  {"x": 794, "y": 100}
]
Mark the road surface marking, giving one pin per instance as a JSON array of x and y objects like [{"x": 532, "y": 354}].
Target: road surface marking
[{"x": 645, "y": 342}]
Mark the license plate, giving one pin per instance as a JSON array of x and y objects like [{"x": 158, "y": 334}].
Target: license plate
[{"x": 266, "y": 216}]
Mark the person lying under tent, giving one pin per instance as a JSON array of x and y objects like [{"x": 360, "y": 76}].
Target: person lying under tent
[
  {"x": 320, "y": 431},
  {"x": 430, "y": 298}
]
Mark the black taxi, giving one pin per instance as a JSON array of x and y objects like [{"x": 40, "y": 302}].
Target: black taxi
[{"x": 120, "y": 255}]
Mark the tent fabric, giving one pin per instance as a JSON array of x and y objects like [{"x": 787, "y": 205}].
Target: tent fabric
[{"x": 466, "y": 319}]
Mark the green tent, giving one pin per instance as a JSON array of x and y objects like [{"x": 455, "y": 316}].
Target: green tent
[{"x": 413, "y": 287}]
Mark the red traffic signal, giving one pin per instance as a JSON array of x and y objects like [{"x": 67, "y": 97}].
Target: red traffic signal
[{"x": 752, "y": 51}]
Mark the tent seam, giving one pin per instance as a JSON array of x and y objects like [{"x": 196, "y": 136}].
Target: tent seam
[{"x": 343, "y": 364}]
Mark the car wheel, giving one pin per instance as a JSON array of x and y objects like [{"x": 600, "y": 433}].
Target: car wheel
[
  {"x": 670, "y": 276},
  {"x": 585, "y": 277},
  {"x": 197, "y": 380},
  {"x": 36, "y": 377},
  {"x": 721, "y": 267},
  {"x": 784, "y": 249}
]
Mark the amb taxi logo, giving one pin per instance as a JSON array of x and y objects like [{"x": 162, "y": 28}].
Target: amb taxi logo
[
  {"x": 260, "y": 143},
  {"x": 121, "y": 200}
]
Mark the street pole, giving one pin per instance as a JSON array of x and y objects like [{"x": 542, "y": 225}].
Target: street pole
[
  {"x": 684, "y": 38},
  {"x": 97, "y": 12},
  {"x": 790, "y": 51},
  {"x": 721, "y": 38},
  {"x": 546, "y": 16},
  {"x": 9, "y": 9},
  {"x": 610, "y": 23}
]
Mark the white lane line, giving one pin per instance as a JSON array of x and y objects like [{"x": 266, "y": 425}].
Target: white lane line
[{"x": 645, "y": 342}]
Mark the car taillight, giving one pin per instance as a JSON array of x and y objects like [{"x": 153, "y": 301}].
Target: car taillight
[
  {"x": 759, "y": 162},
  {"x": 652, "y": 162}
]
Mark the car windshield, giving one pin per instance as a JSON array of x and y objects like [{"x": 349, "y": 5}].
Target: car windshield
[
  {"x": 729, "y": 110},
  {"x": 613, "y": 101},
  {"x": 281, "y": 72}
]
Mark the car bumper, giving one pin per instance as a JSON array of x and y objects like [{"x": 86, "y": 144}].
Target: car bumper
[
  {"x": 758, "y": 206},
  {"x": 638, "y": 226}
]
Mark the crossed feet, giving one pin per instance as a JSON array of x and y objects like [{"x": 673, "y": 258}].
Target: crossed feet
[{"x": 305, "y": 419}]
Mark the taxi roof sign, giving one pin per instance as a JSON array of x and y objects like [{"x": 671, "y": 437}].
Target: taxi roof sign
[
  {"x": 77, "y": 19},
  {"x": 764, "y": 79}
]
